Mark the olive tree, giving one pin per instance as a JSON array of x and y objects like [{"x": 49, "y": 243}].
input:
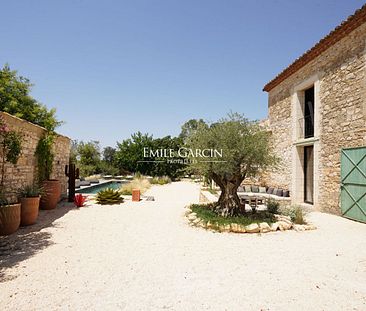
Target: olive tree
[
  {"x": 246, "y": 150},
  {"x": 189, "y": 127}
]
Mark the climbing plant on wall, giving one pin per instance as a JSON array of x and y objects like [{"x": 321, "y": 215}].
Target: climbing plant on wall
[
  {"x": 45, "y": 156},
  {"x": 10, "y": 149}
]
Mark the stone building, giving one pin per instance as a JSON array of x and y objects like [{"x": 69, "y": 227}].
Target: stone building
[
  {"x": 25, "y": 171},
  {"x": 316, "y": 107}
]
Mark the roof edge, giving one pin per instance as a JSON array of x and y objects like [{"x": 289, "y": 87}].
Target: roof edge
[{"x": 351, "y": 23}]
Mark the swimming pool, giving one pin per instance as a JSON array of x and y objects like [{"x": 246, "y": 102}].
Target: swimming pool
[{"x": 94, "y": 189}]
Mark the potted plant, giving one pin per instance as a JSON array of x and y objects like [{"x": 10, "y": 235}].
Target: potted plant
[
  {"x": 10, "y": 149},
  {"x": 51, "y": 187},
  {"x": 30, "y": 196},
  {"x": 9, "y": 216}
]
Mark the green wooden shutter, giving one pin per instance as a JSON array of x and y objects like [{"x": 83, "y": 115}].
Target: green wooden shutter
[{"x": 353, "y": 183}]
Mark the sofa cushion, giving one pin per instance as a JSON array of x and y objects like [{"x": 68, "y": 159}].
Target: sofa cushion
[
  {"x": 270, "y": 190},
  {"x": 262, "y": 189},
  {"x": 279, "y": 192},
  {"x": 255, "y": 188},
  {"x": 247, "y": 188},
  {"x": 275, "y": 191},
  {"x": 286, "y": 193}
]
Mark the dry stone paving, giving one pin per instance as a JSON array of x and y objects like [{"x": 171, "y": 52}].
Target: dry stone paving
[{"x": 144, "y": 256}]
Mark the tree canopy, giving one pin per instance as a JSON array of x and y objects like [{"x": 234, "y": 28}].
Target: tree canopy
[
  {"x": 87, "y": 157},
  {"x": 174, "y": 168},
  {"x": 190, "y": 127},
  {"x": 109, "y": 154},
  {"x": 246, "y": 150},
  {"x": 130, "y": 155},
  {"x": 15, "y": 99}
]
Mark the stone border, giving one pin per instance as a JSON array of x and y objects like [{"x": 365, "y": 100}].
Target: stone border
[{"x": 283, "y": 223}]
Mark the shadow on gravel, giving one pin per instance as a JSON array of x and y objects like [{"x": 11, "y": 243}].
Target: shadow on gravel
[{"x": 30, "y": 240}]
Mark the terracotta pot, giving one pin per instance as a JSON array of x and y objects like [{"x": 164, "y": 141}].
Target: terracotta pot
[
  {"x": 9, "y": 218},
  {"x": 135, "y": 195},
  {"x": 29, "y": 210},
  {"x": 51, "y": 194}
]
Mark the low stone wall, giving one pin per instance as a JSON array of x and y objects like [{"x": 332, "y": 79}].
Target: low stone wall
[{"x": 25, "y": 171}]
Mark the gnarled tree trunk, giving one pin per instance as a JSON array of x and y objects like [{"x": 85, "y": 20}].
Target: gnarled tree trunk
[{"x": 229, "y": 202}]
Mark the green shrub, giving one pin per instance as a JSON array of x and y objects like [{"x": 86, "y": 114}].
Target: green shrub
[
  {"x": 273, "y": 206},
  {"x": 296, "y": 213},
  {"x": 109, "y": 196},
  {"x": 298, "y": 216},
  {"x": 86, "y": 170},
  {"x": 106, "y": 168},
  {"x": 207, "y": 214},
  {"x": 163, "y": 180}
]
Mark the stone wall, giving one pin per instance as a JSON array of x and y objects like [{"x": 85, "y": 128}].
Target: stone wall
[
  {"x": 340, "y": 71},
  {"x": 25, "y": 171}
]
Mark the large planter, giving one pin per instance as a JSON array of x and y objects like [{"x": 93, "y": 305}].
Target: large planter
[
  {"x": 51, "y": 194},
  {"x": 9, "y": 218},
  {"x": 29, "y": 210}
]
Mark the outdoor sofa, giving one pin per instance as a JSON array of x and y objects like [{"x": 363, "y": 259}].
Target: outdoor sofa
[
  {"x": 254, "y": 195},
  {"x": 264, "y": 192}
]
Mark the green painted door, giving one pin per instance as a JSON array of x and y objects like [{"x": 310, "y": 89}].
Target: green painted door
[{"x": 353, "y": 183}]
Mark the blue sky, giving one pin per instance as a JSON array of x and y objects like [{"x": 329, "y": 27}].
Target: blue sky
[{"x": 112, "y": 68}]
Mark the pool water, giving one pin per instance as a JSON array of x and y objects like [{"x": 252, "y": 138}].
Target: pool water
[{"x": 94, "y": 189}]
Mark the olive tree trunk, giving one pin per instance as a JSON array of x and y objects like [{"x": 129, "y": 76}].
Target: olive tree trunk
[{"x": 229, "y": 202}]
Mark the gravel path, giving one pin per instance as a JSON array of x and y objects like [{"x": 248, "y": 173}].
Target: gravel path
[{"x": 143, "y": 256}]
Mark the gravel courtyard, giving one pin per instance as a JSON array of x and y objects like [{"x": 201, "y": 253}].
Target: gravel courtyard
[{"x": 143, "y": 256}]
